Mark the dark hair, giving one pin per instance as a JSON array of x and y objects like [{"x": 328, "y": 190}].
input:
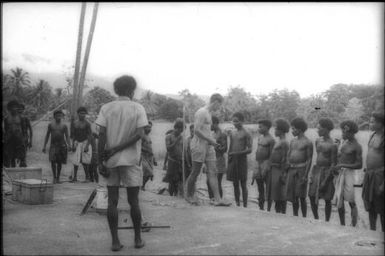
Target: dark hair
[
  {"x": 191, "y": 126},
  {"x": 326, "y": 123},
  {"x": 21, "y": 106},
  {"x": 299, "y": 124},
  {"x": 178, "y": 123},
  {"x": 378, "y": 116},
  {"x": 58, "y": 112},
  {"x": 240, "y": 116},
  {"x": 216, "y": 97},
  {"x": 82, "y": 109},
  {"x": 12, "y": 104},
  {"x": 353, "y": 128},
  {"x": 124, "y": 84},
  {"x": 282, "y": 125},
  {"x": 265, "y": 122},
  {"x": 215, "y": 120}
]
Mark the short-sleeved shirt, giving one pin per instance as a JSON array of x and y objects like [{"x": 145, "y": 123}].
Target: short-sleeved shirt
[
  {"x": 200, "y": 149},
  {"x": 121, "y": 118}
]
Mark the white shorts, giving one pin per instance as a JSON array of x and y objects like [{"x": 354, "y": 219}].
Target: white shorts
[{"x": 127, "y": 176}]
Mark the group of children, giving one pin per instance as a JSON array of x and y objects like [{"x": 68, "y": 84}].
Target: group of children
[{"x": 285, "y": 170}]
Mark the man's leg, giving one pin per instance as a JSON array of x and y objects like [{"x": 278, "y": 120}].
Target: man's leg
[
  {"x": 354, "y": 213},
  {"x": 75, "y": 177},
  {"x": 86, "y": 171},
  {"x": 112, "y": 216},
  {"x": 303, "y": 206},
  {"x": 277, "y": 206},
  {"x": 136, "y": 215},
  {"x": 314, "y": 207},
  {"x": 191, "y": 180},
  {"x": 341, "y": 214},
  {"x": 283, "y": 206},
  {"x": 328, "y": 209},
  {"x": 244, "y": 193},
  {"x": 220, "y": 176},
  {"x": 236, "y": 192},
  {"x": 209, "y": 190},
  {"x": 372, "y": 218},
  {"x": 53, "y": 166},
  {"x": 295, "y": 204},
  {"x": 382, "y": 221},
  {"x": 58, "y": 170},
  {"x": 261, "y": 192},
  {"x": 213, "y": 180}
]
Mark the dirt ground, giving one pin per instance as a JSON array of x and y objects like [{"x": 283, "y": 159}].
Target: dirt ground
[{"x": 57, "y": 229}]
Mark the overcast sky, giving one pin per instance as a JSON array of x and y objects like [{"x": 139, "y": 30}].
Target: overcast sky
[{"x": 205, "y": 47}]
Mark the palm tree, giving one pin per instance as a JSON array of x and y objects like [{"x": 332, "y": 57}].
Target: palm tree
[
  {"x": 148, "y": 103},
  {"x": 18, "y": 80},
  {"x": 41, "y": 95}
]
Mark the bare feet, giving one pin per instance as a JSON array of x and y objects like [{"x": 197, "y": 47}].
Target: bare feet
[
  {"x": 220, "y": 203},
  {"x": 139, "y": 244},
  {"x": 192, "y": 201},
  {"x": 116, "y": 247}
]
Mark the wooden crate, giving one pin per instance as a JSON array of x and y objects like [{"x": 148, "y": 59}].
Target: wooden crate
[
  {"x": 33, "y": 191},
  {"x": 20, "y": 173}
]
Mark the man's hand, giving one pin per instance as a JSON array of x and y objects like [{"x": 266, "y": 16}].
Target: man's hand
[
  {"x": 155, "y": 163},
  {"x": 85, "y": 149},
  {"x": 108, "y": 153},
  {"x": 103, "y": 171},
  {"x": 44, "y": 150},
  {"x": 29, "y": 145}
]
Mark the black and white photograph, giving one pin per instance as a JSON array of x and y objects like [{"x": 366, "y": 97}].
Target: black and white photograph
[{"x": 192, "y": 128}]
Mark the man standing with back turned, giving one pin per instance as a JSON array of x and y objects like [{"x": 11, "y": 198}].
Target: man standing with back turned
[
  {"x": 122, "y": 125},
  {"x": 203, "y": 151}
]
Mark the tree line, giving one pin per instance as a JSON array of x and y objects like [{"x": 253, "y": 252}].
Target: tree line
[{"x": 339, "y": 102}]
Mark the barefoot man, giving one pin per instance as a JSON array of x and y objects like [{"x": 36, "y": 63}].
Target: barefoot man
[
  {"x": 373, "y": 187},
  {"x": 203, "y": 151},
  {"x": 122, "y": 125},
  {"x": 349, "y": 158},
  {"x": 299, "y": 158}
]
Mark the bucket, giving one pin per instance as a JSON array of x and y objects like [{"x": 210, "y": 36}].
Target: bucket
[{"x": 101, "y": 200}]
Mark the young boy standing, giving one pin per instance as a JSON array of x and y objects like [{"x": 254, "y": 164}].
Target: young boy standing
[
  {"x": 278, "y": 156},
  {"x": 27, "y": 130},
  {"x": 81, "y": 143},
  {"x": 147, "y": 156},
  {"x": 321, "y": 177},
  {"x": 175, "y": 150},
  {"x": 373, "y": 187},
  {"x": 240, "y": 147},
  {"x": 59, "y": 144},
  {"x": 262, "y": 155},
  {"x": 299, "y": 159},
  {"x": 349, "y": 158}
]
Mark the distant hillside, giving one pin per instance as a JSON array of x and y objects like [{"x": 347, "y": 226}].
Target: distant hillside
[{"x": 205, "y": 98}]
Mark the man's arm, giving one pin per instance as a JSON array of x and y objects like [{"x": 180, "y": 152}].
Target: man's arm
[
  {"x": 139, "y": 134},
  {"x": 248, "y": 148},
  {"x": 67, "y": 137},
  {"x": 309, "y": 157},
  {"x": 200, "y": 120},
  {"x": 47, "y": 137}
]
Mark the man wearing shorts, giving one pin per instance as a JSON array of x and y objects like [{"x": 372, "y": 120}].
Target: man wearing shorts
[
  {"x": 203, "y": 147},
  {"x": 122, "y": 125}
]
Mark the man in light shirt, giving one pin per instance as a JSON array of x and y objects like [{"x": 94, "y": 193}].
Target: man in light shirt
[
  {"x": 122, "y": 125},
  {"x": 203, "y": 147}
]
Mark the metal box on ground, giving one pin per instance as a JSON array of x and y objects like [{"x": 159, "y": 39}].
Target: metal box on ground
[
  {"x": 19, "y": 173},
  {"x": 32, "y": 191}
]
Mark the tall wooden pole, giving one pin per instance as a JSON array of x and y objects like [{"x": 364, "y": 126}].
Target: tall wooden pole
[
  {"x": 87, "y": 53},
  {"x": 75, "y": 82}
]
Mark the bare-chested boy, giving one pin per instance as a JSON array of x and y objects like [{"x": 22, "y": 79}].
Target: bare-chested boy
[
  {"x": 262, "y": 155},
  {"x": 373, "y": 187},
  {"x": 321, "y": 177},
  {"x": 240, "y": 147},
  {"x": 59, "y": 144},
  {"x": 81, "y": 136},
  {"x": 14, "y": 140},
  {"x": 299, "y": 160},
  {"x": 349, "y": 159},
  {"x": 277, "y": 180}
]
